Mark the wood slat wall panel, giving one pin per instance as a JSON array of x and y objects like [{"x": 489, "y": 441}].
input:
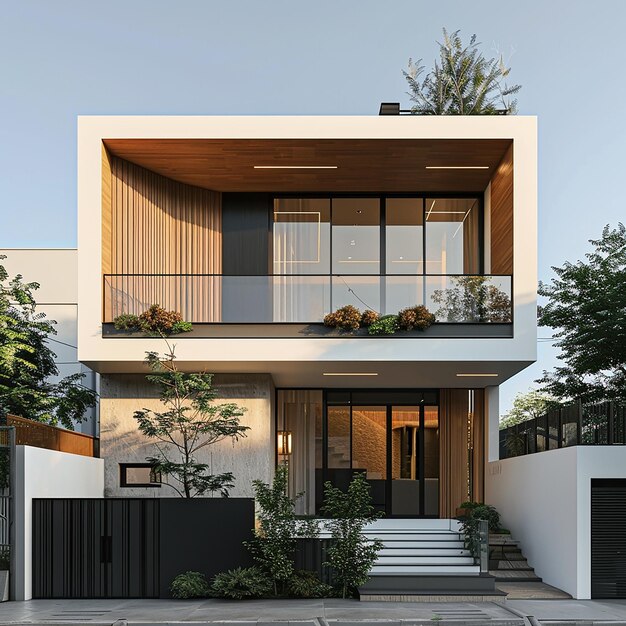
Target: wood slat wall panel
[
  {"x": 454, "y": 458},
  {"x": 159, "y": 226},
  {"x": 106, "y": 211},
  {"x": 502, "y": 216}
]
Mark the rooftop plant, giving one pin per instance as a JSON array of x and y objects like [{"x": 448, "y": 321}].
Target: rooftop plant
[{"x": 462, "y": 82}]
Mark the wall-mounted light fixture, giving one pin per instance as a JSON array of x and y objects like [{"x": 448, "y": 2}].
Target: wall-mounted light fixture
[
  {"x": 295, "y": 167},
  {"x": 478, "y": 375},
  {"x": 284, "y": 442},
  {"x": 457, "y": 167}
]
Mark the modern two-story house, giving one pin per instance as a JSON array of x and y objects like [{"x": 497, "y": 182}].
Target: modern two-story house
[{"x": 255, "y": 228}]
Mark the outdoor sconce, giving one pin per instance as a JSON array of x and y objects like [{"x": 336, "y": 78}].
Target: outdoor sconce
[{"x": 284, "y": 442}]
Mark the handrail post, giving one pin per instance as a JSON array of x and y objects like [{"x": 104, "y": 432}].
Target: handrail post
[{"x": 483, "y": 533}]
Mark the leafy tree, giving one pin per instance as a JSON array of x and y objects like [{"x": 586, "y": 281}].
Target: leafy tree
[
  {"x": 527, "y": 406},
  {"x": 275, "y": 539},
  {"x": 462, "y": 82},
  {"x": 587, "y": 311},
  {"x": 352, "y": 554},
  {"x": 190, "y": 422},
  {"x": 472, "y": 299},
  {"x": 27, "y": 362}
]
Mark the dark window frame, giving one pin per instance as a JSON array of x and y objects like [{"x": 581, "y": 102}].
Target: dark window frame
[{"x": 124, "y": 484}]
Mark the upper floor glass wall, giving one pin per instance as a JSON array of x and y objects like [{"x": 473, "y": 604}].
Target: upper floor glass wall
[{"x": 377, "y": 236}]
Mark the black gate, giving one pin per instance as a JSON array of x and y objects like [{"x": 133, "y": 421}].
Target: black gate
[
  {"x": 134, "y": 547},
  {"x": 608, "y": 538}
]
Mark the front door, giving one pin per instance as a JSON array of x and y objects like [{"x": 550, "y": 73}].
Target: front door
[{"x": 396, "y": 446}]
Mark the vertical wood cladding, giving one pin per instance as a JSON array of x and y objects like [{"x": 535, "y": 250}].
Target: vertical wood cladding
[
  {"x": 462, "y": 449},
  {"x": 159, "y": 226},
  {"x": 502, "y": 216}
]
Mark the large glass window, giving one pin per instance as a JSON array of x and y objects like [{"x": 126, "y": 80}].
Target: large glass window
[
  {"x": 301, "y": 236},
  {"x": 404, "y": 232},
  {"x": 356, "y": 235},
  {"x": 452, "y": 236}
]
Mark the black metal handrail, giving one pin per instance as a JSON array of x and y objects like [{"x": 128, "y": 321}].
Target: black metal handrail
[{"x": 575, "y": 424}]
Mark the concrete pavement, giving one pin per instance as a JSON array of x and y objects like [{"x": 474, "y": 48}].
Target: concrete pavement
[{"x": 332, "y": 612}]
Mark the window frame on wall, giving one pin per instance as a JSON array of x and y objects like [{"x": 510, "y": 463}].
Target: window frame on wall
[
  {"x": 125, "y": 484},
  {"x": 383, "y": 197}
]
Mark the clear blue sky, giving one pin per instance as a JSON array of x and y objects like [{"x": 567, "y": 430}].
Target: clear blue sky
[{"x": 64, "y": 58}]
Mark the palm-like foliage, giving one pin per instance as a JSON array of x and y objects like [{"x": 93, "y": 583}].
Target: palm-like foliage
[
  {"x": 190, "y": 421},
  {"x": 462, "y": 82}
]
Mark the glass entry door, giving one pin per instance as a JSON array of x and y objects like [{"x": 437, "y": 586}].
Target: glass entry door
[{"x": 397, "y": 448}]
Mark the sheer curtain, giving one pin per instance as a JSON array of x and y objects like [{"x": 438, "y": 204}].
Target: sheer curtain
[
  {"x": 300, "y": 414},
  {"x": 301, "y": 234}
]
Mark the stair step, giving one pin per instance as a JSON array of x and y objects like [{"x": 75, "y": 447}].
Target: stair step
[
  {"x": 395, "y": 570},
  {"x": 435, "y": 552},
  {"x": 399, "y": 559},
  {"x": 411, "y": 544},
  {"x": 404, "y": 536},
  {"x": 509, "y": 565}
]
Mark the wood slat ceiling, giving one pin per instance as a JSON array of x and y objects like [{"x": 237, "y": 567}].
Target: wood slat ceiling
[{"x": 364, "y": 165}]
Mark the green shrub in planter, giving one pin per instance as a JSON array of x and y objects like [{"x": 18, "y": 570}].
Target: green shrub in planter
[
  {"x": 127, "y": 321},
  {"x": 189, "y": 585},
  {"x": 242, "y": 583},
  {"x": 306, "y": 584},
  {"x": 386, "y": 325}
]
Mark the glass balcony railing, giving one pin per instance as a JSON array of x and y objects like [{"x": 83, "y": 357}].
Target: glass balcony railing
[{"x": 203, "y": 298}]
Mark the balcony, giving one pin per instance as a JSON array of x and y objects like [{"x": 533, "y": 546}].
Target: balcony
[{"x": 306, "y": 299}]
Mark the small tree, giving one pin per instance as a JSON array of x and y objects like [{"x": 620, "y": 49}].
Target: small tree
[
  {"x": 527, "y": 406},
  {"x": 587, "y": 311},
  {"x": 275, "y": 540},
  {"x": 472, "y": 299},
  {"x": 190, "y": 422},
  {"x": 27, "y": 362},
  {"x": 462, "y": 82},
  {"x": 352, "y": 554}
]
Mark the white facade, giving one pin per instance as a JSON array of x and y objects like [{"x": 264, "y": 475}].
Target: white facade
[
  {"x": 545, "y": 501},
  {"x": 41, "y": 473},
  {"x": 56, "y": 271},
  {"x": 402, "y": 362}
]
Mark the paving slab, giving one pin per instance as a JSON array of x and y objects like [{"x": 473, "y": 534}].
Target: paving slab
[
  {"x": 327, "y": 612},
  {"x": 570, "y": 611}
]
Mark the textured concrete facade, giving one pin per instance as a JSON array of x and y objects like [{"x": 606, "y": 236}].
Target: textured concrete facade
[{"x": 250, "y": 458}]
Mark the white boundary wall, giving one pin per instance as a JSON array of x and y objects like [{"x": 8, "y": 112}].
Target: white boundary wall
[
  {"x": 43, "y": 473},
  {"x": 545, "y": 500}
]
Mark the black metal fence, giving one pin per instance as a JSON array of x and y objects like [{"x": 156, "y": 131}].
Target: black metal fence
[{"x": 576, "y": 424}]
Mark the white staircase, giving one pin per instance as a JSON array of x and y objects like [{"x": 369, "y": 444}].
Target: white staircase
[
  {"x": 419, "y": 546},
  {"x": 424, "y": 560}
]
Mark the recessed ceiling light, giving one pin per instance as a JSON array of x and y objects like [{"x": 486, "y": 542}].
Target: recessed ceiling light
[
  {"x": 350, "y": 374},
  {"x": 295, "y": 167},
  {"x": 457, "y": 167},
  {"x": 478, "y": 375}
]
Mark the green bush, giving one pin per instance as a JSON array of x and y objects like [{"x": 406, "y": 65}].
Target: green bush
[
  {"x": 480, "y": 511},
  {"x": 352, "y": 553},
  {"x": 415, "y": 317},
  {"x": 181, "y": 327},
  {"x": 306, "y": 584},
  {"x": 189, "y": 585},
  {"x": 242, "y": 583},
  {"x": 386, "y": 325},
  {"x": 127, "y": 321}
]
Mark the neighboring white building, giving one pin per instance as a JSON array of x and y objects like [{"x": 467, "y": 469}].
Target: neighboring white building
[{"x": 56, "y": 269}]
